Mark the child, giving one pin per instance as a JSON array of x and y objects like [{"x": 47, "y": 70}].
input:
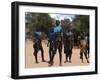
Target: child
[
  {"x": 51, "y": 46},
  {"x": 38, "y": 45}
]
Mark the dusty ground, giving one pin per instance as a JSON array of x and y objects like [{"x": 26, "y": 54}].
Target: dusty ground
[{"x": 30, "y": 60}]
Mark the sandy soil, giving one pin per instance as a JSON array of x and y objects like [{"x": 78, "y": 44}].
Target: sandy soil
[{"x": 30, "y": 60}]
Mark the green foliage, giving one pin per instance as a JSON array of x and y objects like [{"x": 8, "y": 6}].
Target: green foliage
[
  {"x": 81, "y": 23},
  {"x": 41, "y": 21},
  {"x": 65, "y": 24},
  {"x": 44, "y": 22}
]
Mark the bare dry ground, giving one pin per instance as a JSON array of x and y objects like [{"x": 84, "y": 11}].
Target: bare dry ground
[{"x": 30, "y": 60}]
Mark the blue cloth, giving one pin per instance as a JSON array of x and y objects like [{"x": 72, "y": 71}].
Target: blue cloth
[
  {"x": 68, "y": 33},
  {"x": 57, "y": 29},
  {"x": 51, "y": 36},
  {"x": 37, "y": 34}
]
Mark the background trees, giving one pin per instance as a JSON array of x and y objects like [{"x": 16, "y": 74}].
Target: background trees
[
  {"x": 81, "y": 23},
  {"x": 41, "y": 21},
  {"x": 44, "y": 22},
  {"x": 65, "y": 24}
]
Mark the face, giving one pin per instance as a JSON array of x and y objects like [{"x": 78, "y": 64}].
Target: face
[{"x": 57, "y": 22}]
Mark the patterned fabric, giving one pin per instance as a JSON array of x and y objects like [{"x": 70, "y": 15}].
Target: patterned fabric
[{"x": 83, "y": 45}]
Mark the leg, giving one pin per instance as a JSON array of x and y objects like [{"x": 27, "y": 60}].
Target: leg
[
  {"x": 42, "y": 54},
  {"x": 52, "y": 57},
  {"x": 70, "y": 55},
  {"x": 85, "y": 54},
  {"x": 60, "y": 55},
  {"x": 66, "y": 55},
  {"x": 81, "y": 56},
  {"x": 51, "y": 60},
  {"x": 55, "y": 48},
  {"x": 88, "y": 53},
  {"x": 50, "y": 54},
  {"x": 35, "y": 54},
  {"x": 53, "y": 53},
  {"x": 88, "y": 49}
]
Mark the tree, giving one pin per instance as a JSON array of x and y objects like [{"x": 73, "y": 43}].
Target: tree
[
  {"x": 39, "y": 20},
  {"x": 81, "y": 23},
  {"x": 65, "y": 24}
]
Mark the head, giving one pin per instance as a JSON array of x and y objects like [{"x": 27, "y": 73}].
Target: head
[{"x": 57, "y": 22}]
